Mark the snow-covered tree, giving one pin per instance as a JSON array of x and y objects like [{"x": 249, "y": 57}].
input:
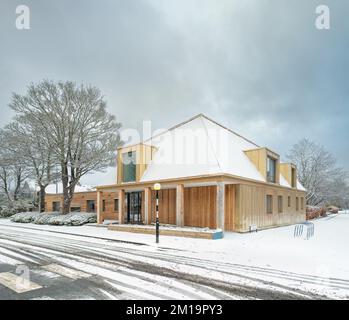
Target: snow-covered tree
[
  {"x": 75, "y": 123},
  {"x": 338, "y": 192},
  {"x": 13, "y": 172},
  {"x": 32, "y": 150},
  {"x": 318, "y": 172}
]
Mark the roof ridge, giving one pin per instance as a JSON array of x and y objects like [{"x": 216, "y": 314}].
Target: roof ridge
[
  {"x": 230, "y": 130},
  {"x": 187, "y": 121},
  {"x": 165, "y": 131},
  {"x": 174, "y": 127}
]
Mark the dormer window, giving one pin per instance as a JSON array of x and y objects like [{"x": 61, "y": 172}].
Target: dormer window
[
  {"x": 289, "y": 173},
  {"x": 267, "y": 163},
  {"x": 271, "y": 169},
  {"x": 133, "y": 161}
]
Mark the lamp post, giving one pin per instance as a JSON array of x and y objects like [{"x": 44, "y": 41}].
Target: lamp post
[{"x": 157, "y": 187}]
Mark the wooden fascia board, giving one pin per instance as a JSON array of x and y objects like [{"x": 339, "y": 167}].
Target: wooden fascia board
[{"x": 219, "y": 178}]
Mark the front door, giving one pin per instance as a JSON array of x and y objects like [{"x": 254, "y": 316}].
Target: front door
[{"x": 134, "y": 207}]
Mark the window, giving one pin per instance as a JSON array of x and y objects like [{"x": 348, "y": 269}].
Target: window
[
  {"x": 56, "y": 206},
  {"x": 271, "y": 170},
  {"x": 269, "y": 204},
  {"x": 75, "y": 209},
  {"x": 103, "y": 205},
  {"x": 129, "y": 166},
  {"x": 116, "y": 205},
  {"x": 280, "y": 204},
  {"x": 302, "y": 203},
  {"x": 91, "y": 207},
  {"x": 293, "y": 178},
  {"x": 297, "y": 203},
  {"x": 289, "y": 201}
]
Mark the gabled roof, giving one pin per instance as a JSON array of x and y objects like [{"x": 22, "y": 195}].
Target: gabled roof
[{"x": 198, "y": 147}]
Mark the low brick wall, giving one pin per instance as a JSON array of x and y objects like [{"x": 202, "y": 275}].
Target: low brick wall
[{"x": 165, "y": 231}]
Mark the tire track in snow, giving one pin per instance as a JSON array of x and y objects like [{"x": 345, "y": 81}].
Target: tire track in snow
[
  {"x": 65, "y": 253},
  {"x": 106, "y": 256},
  {"x": 17, "y": 254},
  {"x": 174, "y": 294},
  {"x": 79, "y": 247},
  {"x": 119, "y": 248}
]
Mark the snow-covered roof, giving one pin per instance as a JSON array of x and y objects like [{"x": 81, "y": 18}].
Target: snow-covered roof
[
  {"x": 199, "y": 147},
  {"x": 284, "y": 182},
  {"x": 57, "y": 189},
  {"x": 299, "y": 186}
]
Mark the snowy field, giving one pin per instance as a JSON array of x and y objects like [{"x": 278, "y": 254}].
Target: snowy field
[{"x": 272, "y": 262}]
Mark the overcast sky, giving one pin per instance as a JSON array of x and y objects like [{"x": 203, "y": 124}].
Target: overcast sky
[{"x": 259, "y": 67}]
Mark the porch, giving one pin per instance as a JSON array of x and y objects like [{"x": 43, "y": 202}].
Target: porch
[{"x": 210, "y": 204}]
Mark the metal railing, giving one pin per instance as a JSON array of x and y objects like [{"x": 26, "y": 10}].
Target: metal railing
[{"x": 299, "y": 230}]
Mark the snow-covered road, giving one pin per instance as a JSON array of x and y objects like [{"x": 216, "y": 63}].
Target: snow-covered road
[{"x": 87, "y": 265}]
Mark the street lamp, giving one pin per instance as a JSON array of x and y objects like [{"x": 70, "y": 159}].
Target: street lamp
[{"x": 157, "y": 187}]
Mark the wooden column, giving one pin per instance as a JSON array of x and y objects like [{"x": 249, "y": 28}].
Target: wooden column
[
  {"x": 121, "y": 206},
  {"x": 220, "y": 205},
  {"x": 99, "y": 207},
  {"x": 180, "y": 205},
  {"x": 147, "y": 205}
]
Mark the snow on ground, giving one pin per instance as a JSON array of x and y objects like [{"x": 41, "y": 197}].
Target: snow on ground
[
  {"x": 319, "y": 265},
  {"x": 277, "y": 248}
]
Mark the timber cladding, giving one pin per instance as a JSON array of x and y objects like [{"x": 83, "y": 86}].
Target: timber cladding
[
  {"x": 229, "y": 207},
  {"x": 244, "y": 205},
  {"x": 167, "y": 206},
  {"x": 200, "y": 206},
  {"x": 251, "y": 207}
]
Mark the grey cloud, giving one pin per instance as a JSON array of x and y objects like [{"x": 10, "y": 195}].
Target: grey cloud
[{"x": 258, "y": 66}]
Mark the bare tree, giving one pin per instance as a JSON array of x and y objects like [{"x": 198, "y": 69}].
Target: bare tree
[
  {"x": 76, "y": 124},
  {"x": 13, "y": 173},
  {"x": 33, "y": 151},
  {"x": 338, "y": 191},
  {"x": 5, "y": 182},
  {"x": 317, "y": 171}
]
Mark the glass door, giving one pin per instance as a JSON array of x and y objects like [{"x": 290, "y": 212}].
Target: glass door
[{"x": 134, "y": 207}]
